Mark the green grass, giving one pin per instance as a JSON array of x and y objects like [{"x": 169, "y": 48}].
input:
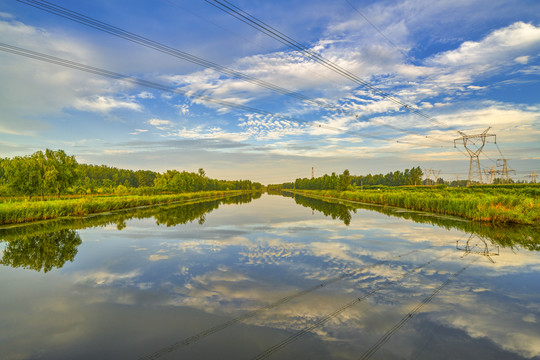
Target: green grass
[
  {"x": 26, "y": 211},
  {"x": 489, "y": 204}
]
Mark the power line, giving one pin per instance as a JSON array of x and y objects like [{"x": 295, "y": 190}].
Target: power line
[
  {"x": 377, "y": 29},
  {"x": 138, "y": 39},
  {"x": 192, "y": 339},
  {"x": 113, "y": 75},
  {"x": 124, "y": 34},
  {"x": 273, "y": 349},
  {"x": 373, "y": 349},
  {"x": 387, "y": 39},
  {"x": 266, "y": 29}
]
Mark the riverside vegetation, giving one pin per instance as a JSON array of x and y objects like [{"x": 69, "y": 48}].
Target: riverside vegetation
[
  {"x": 51, "y": 184},
  {"x": 508, "y": 203}
]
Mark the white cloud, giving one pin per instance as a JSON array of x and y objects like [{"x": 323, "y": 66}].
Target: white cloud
[
  {"x": 4, "y": 15},
  {"x": 105, "y": 277},
  {"x": 184, "y": 109},
  {"x": 117, "y": 151},
  {"x": 495, "y": 47},
  {"x": 146, "y": 95},
  {"x": 104, "y": 104},
  {"x": 156, "y": 257},
  {"x": 33, "y": 89},
  {"x": 477, "y": 58},
  {"x": 138, "y": 131},
  {"x": 160, "y": 123},
  {"x": 522, "y": 59}
]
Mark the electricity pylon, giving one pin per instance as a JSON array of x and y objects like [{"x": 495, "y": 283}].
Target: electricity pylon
[
  {"x": 428, "y": 173},
  {"x": 505, "y": 171},
  {"x": 533, "y": 177},
  {"x": 436, "y": 174},
  {"x": 474, "y": 145},
  {"x": 490, "y": 174}
]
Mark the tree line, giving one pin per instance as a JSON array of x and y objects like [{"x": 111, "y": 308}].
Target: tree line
[
  {"x": 411, "y": 176},
  {"x": 326, "y": 182},
  {"x": 346, "y": 181},
  {"x": 54, "y": 173}
]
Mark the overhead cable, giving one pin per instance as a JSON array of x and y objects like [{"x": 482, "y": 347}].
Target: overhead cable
[
  {"x": 383, "y": 35},
  {"x": 268, "y": 30},
  {"x": 161, "y": 87},
  {"x": 141, "y": 40}
]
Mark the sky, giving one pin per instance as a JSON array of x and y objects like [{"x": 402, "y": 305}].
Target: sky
[{"x": 464, "y": 65}]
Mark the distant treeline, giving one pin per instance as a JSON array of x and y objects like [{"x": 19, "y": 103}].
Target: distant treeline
[
  {"x": 54, "y": 173},
  {"x": 346, "y": 181}
]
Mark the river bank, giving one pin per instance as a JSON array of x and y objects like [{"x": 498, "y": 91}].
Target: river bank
[
  {"x": 519, "y": 206},
  {"x": 13, "y": 212}
]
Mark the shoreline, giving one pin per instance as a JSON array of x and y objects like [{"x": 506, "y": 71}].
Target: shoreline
[
  {"x": 474, "y": 206},
  {"x": 24, "y": 212}
]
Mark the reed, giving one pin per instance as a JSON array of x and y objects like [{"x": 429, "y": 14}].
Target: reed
[
  {"x": 519, "y": 205},
  {"x": 25, "y": 211}
]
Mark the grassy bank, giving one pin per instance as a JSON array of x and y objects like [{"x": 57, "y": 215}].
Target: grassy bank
[
  {"x": 21, "y": 211},
  {"x": 489, "y": 204}
]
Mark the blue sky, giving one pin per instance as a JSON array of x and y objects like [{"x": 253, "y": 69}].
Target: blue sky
[{"x": 466, "y": 65}]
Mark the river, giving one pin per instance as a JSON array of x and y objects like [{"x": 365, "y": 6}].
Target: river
[{"x": 271, "y": 276}]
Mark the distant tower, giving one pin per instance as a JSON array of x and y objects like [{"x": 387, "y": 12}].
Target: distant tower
[
  {"x": 474, "y": 145},
  {"x": 436, "y": 174},
  {"x": 427, "y": 172},
  {"x": 533, "y": 177},
  {"x": 490, "y": 174},
  {"x": 312, "y": 173},
  {"x": 505, "y": 171}
]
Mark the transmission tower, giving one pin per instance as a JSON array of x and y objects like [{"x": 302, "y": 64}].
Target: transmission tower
[
  {"x": 490, "y": 174},
  {"x": 474, "y": 145},
  {"x": 505, "y": 171},
  {"x": 533, "y": 177},
  {"x": 312, "y": 172},
  {"x": 436, "y": 174},
  {"x": 429, "y": 173}
]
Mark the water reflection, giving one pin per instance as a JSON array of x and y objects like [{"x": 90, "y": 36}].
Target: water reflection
[
  {"x": 43, "y": 251},
  {"x": 48, "y": 245},
  {"x": 510, "y": 236},
  {"x": 476, "y": 244},
  {"x": 270, "y": 279},
  {"x": 336, "y": 210}
]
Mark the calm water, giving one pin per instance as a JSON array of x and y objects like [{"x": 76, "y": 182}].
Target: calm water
[{"x": 269, "y": 277}]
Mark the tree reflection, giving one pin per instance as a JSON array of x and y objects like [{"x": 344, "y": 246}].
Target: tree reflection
[
  {"x": 525, "y": 236},
  {"x": 43, "y": 251},
  {"x": 333, "y": 209}
]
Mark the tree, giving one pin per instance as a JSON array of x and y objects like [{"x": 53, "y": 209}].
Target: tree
[
  {"x": 23, "y": 175},
  {"x": 41, "y": 173},
  {"x": 61, "y": 171},
  {"x": 344, "y": 181},
  {"x": 416, "y": 175}
]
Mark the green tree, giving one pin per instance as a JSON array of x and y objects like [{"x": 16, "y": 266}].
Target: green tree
[
  {"x": 61, "y": 171},
  {"x": 23, "y": 175},
  {"x": 41, "y": 173},
  {"x": 344, "y": 181}
]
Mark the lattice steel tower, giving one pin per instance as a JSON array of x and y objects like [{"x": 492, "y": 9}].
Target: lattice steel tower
[
  {"x": 505, "y": 171},
  {"x": 533, "y": 177},
  {"x": 474, "y": 145}
]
